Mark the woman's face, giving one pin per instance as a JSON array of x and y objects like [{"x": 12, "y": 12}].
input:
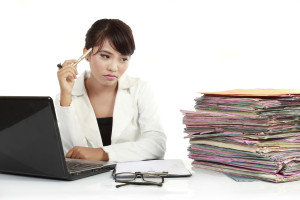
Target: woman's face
[{"x": 108, "y": 65}]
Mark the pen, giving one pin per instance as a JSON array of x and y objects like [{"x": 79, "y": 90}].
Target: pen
[
  {"x": 79, "y": 59},
  {"x": 83, "y": 56}
]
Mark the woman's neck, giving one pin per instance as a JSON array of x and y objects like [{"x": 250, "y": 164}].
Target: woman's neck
[{"x": 94, "y": 88}]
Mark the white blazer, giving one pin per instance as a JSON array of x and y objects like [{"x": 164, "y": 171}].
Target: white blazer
[{"x": 137, "y": 133}]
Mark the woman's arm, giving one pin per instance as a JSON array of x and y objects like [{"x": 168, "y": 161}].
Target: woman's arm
[
  {"x": 68, "y": 126},
  {"x": 74, "y": 142},
  {"x": 87, "y": 153}
]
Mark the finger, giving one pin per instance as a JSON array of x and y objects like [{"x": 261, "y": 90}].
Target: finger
[
  {"x": 73, "y": 155},
  {"x": 68, "y": 76},
  {"x": 69, "y": 67},
  {"x": 69, "y": 154},
  {"x": 74, "y": 65},
  {"x": 67, "y": 70},
  {"x": 77, "y": 156},
  {"x": 76, "y": 153},
  {"x": 69, "y": 62}
]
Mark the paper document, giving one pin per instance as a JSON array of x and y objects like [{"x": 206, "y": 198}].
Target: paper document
[
  {"x": 175, "y": 168},
  {"x": 254, "y": 92}
]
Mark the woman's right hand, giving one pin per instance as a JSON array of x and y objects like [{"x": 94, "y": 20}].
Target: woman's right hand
[{"x": 66, "y": 78}]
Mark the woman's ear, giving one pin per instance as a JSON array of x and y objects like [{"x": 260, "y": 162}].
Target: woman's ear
[{"x": 88, "y": 56}]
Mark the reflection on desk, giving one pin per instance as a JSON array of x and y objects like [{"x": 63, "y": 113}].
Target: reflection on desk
[{"x": 203, "y": 184}]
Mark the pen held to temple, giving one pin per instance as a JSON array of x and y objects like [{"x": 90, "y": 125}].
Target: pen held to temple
[
  {"x": 79, "y": 59},
  {"x": 82, "y": 57}
]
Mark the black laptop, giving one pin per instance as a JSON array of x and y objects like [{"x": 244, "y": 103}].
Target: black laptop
[{"x": 30, "y": 142}]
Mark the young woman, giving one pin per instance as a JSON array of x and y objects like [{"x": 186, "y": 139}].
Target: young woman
[{"x": 106, "y": 114}]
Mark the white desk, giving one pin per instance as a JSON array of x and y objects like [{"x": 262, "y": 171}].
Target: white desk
[{"x": 203, "y": 184}]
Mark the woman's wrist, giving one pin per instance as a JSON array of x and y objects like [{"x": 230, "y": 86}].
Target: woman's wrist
[
  {"x": 105, "y": 156},
  {"x": 65, "y": 99}
]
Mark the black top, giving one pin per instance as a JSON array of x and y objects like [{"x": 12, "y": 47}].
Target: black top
[{"x": 105, "y": 127}]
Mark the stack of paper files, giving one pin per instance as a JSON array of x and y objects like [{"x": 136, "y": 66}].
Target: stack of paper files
[{"x": 248, "y": 133}]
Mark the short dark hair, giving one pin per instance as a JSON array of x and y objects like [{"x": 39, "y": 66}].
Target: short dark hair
[{"x": 117, "y": 32}]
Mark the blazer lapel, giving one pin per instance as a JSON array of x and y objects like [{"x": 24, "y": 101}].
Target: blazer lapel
[
  {"x": 85, "y": 112},
  {"x": 88, "y": 121},
  {"x": 124, "y": 107},
  {"x": 123, "y": 113}
]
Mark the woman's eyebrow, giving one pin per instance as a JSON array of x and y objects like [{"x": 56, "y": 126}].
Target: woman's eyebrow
[{"x": 104, "y": 51}]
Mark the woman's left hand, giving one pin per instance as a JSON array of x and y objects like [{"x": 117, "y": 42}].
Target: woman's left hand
[{"x": 87, "y": 153}]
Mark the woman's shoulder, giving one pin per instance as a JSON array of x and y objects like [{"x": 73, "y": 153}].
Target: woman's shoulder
[
  {"x": 127, "y": 81},
  {"x": 139, "y": 88}
]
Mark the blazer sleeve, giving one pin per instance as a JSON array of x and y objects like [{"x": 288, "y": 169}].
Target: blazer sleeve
[
  {"x": 152, "y": 141},
  {"x": 68, "y": 126}
]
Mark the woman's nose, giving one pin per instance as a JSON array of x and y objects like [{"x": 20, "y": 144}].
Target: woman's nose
[{"x": 113, "y": 66}]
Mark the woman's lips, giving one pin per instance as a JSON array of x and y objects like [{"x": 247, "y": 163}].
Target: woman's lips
[{"x": 110, "y": 77}]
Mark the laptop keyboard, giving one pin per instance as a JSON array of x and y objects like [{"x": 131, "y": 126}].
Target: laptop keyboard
[{"x": 78, "y": 165}]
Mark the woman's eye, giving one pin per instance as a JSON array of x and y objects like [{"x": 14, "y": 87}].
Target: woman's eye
[
  {"x": 124, "y": 59},
  {"x": 104, "y": 56}
]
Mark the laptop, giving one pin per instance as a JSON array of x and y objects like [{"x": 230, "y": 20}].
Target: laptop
[{"x": 30, "y": 142}]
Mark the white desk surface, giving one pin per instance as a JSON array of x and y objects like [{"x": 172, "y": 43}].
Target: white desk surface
[{"x": 203, "y": 184}]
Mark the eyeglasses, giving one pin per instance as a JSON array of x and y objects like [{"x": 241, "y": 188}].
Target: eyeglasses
[{"x": 139, "y": 178}]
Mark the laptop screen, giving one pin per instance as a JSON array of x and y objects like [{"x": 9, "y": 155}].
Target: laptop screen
[{"x": 30, "y": 143}]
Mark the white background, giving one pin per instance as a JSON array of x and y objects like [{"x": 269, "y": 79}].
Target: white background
[{"x": 182, "y": 47}]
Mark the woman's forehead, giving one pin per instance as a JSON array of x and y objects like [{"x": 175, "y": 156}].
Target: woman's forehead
[{"x": 107, "y": 46}]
